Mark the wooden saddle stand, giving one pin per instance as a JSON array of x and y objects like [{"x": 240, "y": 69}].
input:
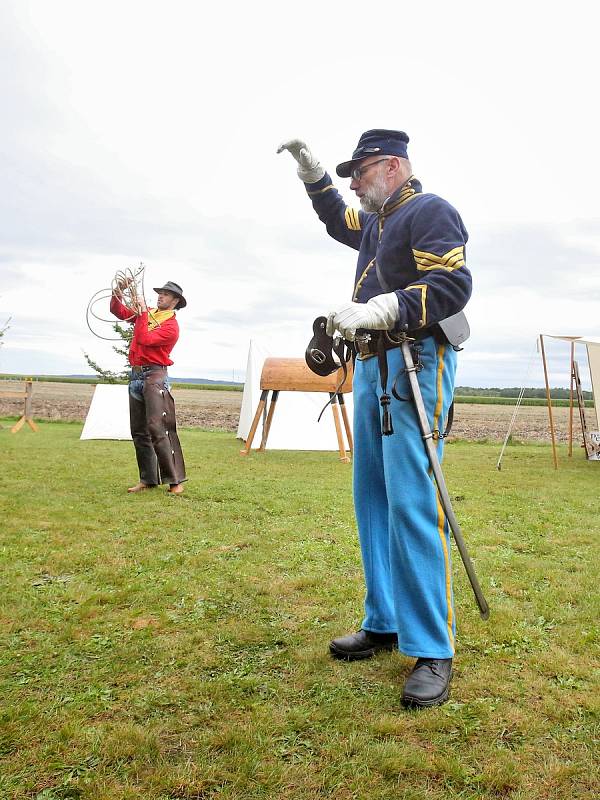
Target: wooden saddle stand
[{"x": 293, "y": 375}]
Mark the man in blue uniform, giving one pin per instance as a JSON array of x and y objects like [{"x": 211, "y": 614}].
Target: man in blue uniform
[{"x": 410, "y": 275}]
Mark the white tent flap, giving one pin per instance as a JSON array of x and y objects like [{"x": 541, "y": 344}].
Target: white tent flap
[
  {"x": 108, "y": 415},
  {"x": 593, "y": 352}
]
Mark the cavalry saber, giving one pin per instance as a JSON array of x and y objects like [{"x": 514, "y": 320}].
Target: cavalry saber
[{"x": 439, "y": 479}]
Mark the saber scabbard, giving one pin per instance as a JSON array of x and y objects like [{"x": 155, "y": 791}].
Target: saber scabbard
[{"x": 439, "y": 479}]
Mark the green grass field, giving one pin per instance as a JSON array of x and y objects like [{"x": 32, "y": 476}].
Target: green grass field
[{"x": 159, "y": 648}]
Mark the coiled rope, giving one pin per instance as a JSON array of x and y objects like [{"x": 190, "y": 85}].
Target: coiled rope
[{"x": 128, "y": 286}]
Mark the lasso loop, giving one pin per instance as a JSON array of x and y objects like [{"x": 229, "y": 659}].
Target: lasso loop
[{"x": 128, "y": 286}]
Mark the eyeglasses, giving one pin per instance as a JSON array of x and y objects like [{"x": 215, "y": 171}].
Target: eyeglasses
[{"x": 358, "y": 172}]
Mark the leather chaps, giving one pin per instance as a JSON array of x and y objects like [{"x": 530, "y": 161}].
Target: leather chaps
[{"x": 154, "y": 431}]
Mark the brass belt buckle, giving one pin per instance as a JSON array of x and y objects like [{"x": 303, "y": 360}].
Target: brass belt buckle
[{"x": 362, "y": 343}]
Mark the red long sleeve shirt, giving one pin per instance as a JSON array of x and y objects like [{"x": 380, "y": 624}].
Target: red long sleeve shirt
[{"x": 148, "y": 346}]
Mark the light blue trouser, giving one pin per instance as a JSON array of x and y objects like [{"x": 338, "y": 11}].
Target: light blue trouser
[{"x": 404, "y": 535}]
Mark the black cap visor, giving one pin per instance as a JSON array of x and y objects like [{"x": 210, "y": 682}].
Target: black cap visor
[{"x": 344, "y": 170}]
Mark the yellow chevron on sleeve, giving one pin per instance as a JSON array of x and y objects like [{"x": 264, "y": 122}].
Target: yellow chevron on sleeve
[
  {"x": 450, "y": 261},
  {"x": 423, "y": 288},
  {"x": 352, "y": 219}
]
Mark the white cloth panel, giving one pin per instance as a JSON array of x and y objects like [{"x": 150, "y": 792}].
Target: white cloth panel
[
  {"x": 108, "y": 414},
  {"x": 593, "y": 351}
]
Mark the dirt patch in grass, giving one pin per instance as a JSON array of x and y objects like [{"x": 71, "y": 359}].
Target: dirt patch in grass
[
  {"x": 478, "y": 422},
  {"x": 220, "y": 410}
]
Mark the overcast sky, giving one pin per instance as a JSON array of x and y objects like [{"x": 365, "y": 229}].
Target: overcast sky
[{"x": 146, "y": 132}]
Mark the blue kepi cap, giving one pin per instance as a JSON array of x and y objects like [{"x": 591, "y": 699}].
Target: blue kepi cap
[{"x": 375, "y": 142}]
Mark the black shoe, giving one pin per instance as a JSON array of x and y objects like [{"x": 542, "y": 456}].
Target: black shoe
[
  {"x": 363, "y": 644},
  {"x": 428, "y": 684}
]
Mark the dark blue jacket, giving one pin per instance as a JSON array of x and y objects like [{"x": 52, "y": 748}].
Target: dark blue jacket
[{"x": 416, "y": 243}]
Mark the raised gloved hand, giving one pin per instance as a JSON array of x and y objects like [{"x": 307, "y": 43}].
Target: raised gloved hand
[
  {"x": 378, "y": 314},
  {"x": 309, "y": 169}
]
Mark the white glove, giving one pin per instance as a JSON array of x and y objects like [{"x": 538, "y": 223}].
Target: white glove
[
  {"x": 378, "y": 314},
  {"x": 309, "y": 170}
]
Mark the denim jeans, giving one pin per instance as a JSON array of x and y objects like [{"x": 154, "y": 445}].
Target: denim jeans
[{"x": 136, "y": 384}]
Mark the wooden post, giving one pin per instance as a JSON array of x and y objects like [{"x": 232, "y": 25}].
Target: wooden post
[
  {"x": 338, "y": 427},
  {"x": 347, "y": 425},
  {"x": 549, "y": 400},
  {"x": 26, "y": 417},
  {"x": 267, "y": 425},
  {"x": 571, "y": 399},
  {"x": 581, "y": 404},
  {"x": 255, "y": 421}
]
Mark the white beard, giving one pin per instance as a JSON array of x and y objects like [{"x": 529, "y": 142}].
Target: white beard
[{"x": 375, "y": 196}]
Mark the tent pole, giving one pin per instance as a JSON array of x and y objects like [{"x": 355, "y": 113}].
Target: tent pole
[
  {"x": 571, "y": 401},
  {"x": 549, "y": 401}
]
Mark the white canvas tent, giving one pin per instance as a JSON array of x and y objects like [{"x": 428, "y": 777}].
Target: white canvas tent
[
  {"x": 294, "y": 425},
  {"x": 108, "y": 414}
]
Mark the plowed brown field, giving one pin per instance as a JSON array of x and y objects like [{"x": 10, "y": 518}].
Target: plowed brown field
[{"x": 216, "y": 409}]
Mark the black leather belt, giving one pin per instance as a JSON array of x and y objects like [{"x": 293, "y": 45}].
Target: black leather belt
[
  {"x": 147, "y": 367},
  {"x": 367, "y": 343}
]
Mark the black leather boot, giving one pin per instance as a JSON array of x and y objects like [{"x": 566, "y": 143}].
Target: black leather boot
[
  {"x": 363, "y": 644},
  {"x": 428, "y": 684}
]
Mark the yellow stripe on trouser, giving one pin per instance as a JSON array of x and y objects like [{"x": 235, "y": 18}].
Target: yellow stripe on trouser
[
  {"x": 440, "y": 372},
  {"x": 442, "y": 533},
  {"x": 440, "y": 509}
]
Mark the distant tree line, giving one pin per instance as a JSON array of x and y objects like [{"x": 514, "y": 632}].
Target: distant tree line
[{"x": 515, "y": 391}]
